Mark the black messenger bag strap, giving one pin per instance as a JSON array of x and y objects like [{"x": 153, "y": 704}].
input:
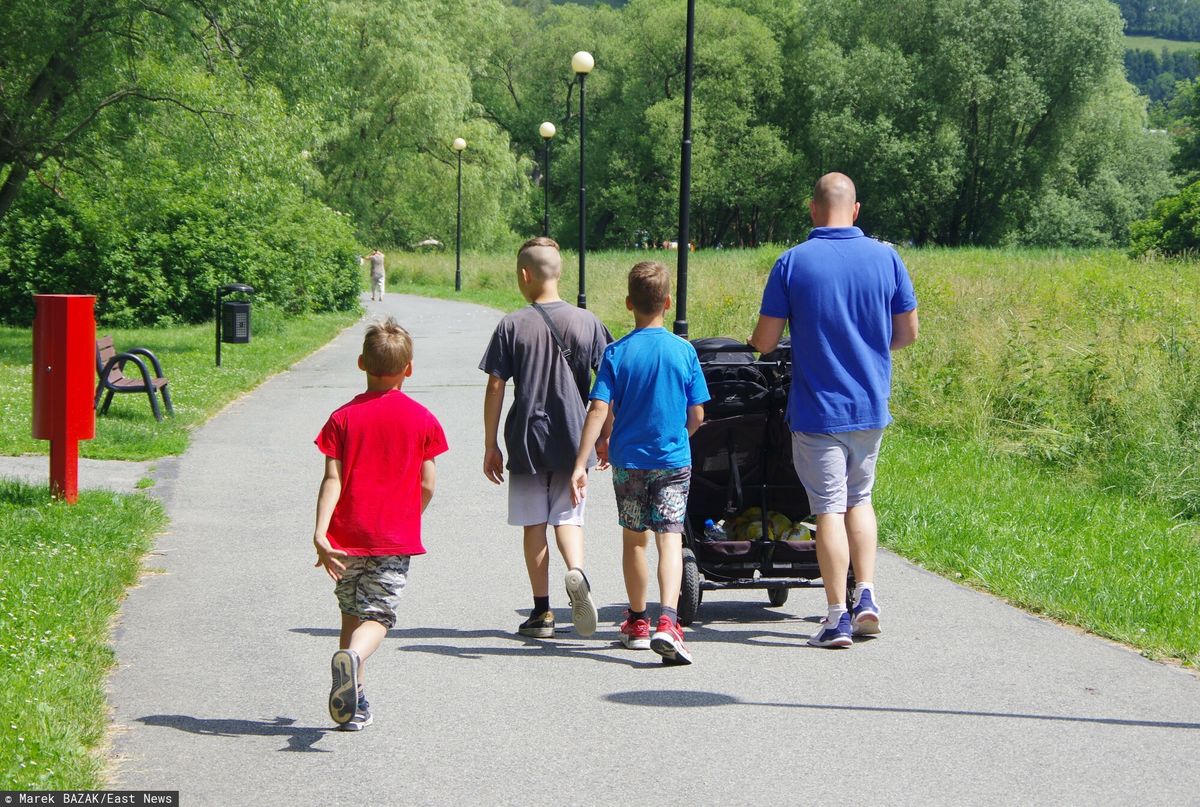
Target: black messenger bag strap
[{"x": 558, "y": 340}]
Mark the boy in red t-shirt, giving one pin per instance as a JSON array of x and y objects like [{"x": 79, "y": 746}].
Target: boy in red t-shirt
[{"x": 379, "y": 478}]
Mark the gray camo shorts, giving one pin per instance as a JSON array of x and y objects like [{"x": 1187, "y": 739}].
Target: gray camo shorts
[{"x": 371, "y": 586}]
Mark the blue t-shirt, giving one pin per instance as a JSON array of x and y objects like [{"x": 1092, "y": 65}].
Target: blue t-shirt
[
  {"x": 650, "y": 377},
  {"x": 839, "y": 290}
]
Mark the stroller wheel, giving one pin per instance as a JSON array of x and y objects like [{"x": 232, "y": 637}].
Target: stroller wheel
[
  {"x": 777, "y": 596},
  {"x": 689, "y": 593}
]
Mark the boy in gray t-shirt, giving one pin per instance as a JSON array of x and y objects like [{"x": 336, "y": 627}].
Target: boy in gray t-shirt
[{"x": 550, "y": 350}]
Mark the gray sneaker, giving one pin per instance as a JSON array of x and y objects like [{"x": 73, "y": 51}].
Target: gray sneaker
[
  {"x": 362, "y": 716},
  {"x": 583, "y": 610},
  {"x": 343, "y": 695}
]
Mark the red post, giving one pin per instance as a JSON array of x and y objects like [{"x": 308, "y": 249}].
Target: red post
[{"x": 64, "y": 383}]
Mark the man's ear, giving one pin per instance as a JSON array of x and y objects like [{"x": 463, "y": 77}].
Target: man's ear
[{"x": 857, "y": 206}]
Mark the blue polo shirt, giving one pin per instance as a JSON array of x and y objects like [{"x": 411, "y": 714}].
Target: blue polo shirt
[
  {"x": 839, "y": 291},
  {"x": 650, "y": 377}
]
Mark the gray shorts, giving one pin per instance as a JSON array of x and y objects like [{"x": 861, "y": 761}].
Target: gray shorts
[
  {"x": 543, "y": 498},
  {"x": 377, "y": 284},
  {"x": 837, "y": 470},
  {"x": 371, "y": 586}
]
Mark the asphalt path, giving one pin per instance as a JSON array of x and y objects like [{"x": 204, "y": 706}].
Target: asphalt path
[{"x": 223, "y": 655}]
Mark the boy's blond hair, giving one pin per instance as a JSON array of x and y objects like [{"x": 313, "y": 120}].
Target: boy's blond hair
[
  {"x": 649, "y": 287},
  {"x": 387, "y": 348},
  {"x": 541, "y": 257}
]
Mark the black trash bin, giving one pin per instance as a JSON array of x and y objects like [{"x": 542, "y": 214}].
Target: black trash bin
[
  {"x": 235, "y": 322},
  {"x": 233, "y": 317}
]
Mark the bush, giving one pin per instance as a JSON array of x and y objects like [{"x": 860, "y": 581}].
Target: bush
[
  {"x": 154, "y": 245},
  {"x": 1173, "y": 227}
]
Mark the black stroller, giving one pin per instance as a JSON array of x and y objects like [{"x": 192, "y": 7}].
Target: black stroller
[{"x": 742, "y": 473}]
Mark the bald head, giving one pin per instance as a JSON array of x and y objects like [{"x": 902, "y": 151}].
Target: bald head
[
  {"x": 541, "y": 258},
  {"x": 834, "y": 202}
]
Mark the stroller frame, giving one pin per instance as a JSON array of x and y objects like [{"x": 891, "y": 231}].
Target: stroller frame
[{"x": 747, "y": 458}]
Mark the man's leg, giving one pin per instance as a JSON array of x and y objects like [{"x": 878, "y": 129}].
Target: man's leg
[
  {"x": 635, "y": 568},
  {"x": 862, "y": 533},
  {"x": 833, "y": 555}
]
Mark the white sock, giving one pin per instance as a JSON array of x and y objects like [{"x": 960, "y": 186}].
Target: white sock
[
  {"x": 859, "y": 588},
  {"x": 834, "y": 615}
]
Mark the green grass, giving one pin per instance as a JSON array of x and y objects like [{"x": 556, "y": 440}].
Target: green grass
[
  {"x": 66, "y": 568},
  {"x": 198, "y": 388},
  {"x": 1047, "y": 445},
  {"x": 1156, "y": 44},
  {"x": 1049, "y": 544}
]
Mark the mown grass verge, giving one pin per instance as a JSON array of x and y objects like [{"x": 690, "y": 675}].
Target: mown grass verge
[
  {"x": 1047, "y": 440},
  {"x": 198, "y": 388},
  {"x": 66, "y": 568}
]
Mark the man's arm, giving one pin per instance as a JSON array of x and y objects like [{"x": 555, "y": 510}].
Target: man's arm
[
  {"x": 593, "y": 424},
  {"x": 767, "y": 333},
  {"x": 904, "y": 329},
  {"x": 327, "y": 499},
  {"x": 428, "y": 482},
  {"x": 695, "y": 416},
  {"x": 493, "y": 403}
]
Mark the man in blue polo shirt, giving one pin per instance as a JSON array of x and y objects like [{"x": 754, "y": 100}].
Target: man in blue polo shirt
[{"x": 849, "y": 302}]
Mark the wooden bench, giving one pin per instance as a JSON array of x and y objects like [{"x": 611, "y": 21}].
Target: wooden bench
[{"x": 110, "y": 366}]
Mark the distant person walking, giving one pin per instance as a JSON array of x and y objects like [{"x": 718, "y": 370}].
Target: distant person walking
[
  {"x": 378, "y": 276},
  {"x": 849, "y": 302}
]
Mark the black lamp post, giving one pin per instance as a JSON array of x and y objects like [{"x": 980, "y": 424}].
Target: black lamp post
[
  {"x": 685, "y": 178},
  {"x": 547, "y": 131},
  {"x": 459, "y": 144},
  {"x": 582, "y": 63}
]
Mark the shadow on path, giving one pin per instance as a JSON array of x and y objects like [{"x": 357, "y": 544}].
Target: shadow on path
[
  {"x": 594, "y": 648},
  {"x": 299, "y": 738},
  {"x": 693, "y": 698}
]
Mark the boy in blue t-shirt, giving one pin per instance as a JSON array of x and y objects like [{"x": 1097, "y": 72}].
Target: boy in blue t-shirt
[{"x": 652, "y": 382}]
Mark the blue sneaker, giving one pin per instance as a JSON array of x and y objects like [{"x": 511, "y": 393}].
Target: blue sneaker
[
  {"x": 837, "y": 636},
  {"x": 864, "y": 615}
]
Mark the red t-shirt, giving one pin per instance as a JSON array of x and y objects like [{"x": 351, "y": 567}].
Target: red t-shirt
[{"x": 382, "y": 438}]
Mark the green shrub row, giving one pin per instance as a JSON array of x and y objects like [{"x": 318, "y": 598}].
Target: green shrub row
[{"x": 154, "y": 252}]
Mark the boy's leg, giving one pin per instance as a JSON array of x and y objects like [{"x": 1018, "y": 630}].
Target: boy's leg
[
  {"x": 635, "y": 568},
  {"x": 537, "y": 559},
  {"x": 363, "y": 637},
  {"x": 570, "y": 544},
  {"x": 670, "y": 567}
]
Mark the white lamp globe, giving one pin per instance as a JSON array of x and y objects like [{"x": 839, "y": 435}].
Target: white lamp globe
[
  {"x": 459, "y": 144},
  {"x": 582, "y": 62},
  {"x": 547, "y": 130}
]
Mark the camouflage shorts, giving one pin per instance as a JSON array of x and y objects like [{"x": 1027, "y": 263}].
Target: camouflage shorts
[
  {"x": 371, "y": 586},
  {"x": 652, "y": 499}
]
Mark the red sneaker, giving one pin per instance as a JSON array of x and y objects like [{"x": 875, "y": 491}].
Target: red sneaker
[
  {"x": 635, "y": 633},
  {"x": 668, "y": 642}
]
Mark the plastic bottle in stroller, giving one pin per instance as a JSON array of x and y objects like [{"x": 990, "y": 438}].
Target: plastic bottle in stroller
[{"x": 714, "y": 531}]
